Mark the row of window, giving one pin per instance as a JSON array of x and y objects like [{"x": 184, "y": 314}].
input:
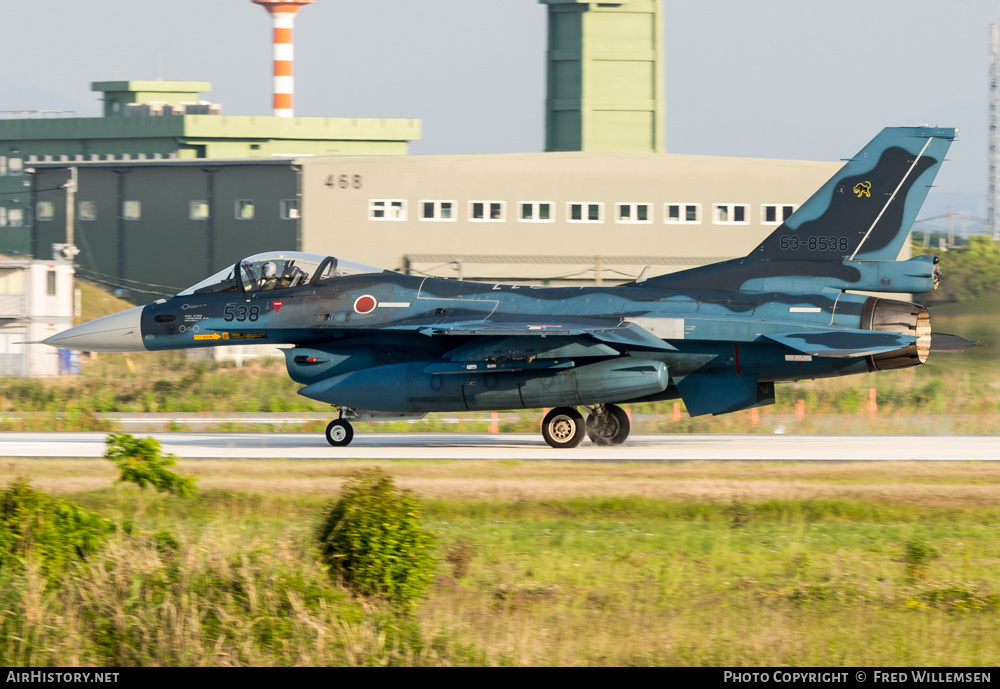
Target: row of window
[
  {"x": 14, "y": 166},
  {"x": 580, "y": 212},
  {"x": 445, "y": 211},
  {"x": 244, "y": 209}
]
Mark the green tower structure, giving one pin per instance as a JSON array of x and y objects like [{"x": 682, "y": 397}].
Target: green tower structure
[{"x": 605, "y": 78}]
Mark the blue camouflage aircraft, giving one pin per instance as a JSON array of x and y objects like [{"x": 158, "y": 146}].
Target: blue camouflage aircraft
[{"x": 381, "y": 345}]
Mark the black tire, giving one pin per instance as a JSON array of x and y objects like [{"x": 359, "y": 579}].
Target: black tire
[
  {"x": 563, "y": 427},
  {"x": 339, "y": 433},
  {"x": 610, "y": 428}
]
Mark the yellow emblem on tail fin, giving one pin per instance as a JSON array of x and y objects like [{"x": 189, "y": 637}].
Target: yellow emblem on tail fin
[{"x": 863, "y": 189}]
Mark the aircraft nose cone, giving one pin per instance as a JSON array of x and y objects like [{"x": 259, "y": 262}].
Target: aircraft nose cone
[{"x": 119, "y": 332}]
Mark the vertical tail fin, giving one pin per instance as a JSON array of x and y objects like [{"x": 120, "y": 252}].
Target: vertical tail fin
[{"x": 865, "y": 211}]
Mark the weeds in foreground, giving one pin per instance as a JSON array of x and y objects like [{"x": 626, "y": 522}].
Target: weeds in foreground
[
  {"x": 373, "y": 540},
  {"x": 917, "y": 553},
  {"x": 139, "y": 461},
  {"x": 50, "y": 534}
]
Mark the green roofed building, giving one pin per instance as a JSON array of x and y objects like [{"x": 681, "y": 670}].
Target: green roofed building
[{"x": 165, "y": 120}]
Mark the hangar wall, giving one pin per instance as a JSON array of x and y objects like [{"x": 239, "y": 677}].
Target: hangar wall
[{"x": 348, "y": 211}]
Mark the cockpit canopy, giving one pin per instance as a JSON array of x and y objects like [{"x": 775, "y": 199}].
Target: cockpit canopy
[{"x": 276, "y": 270}]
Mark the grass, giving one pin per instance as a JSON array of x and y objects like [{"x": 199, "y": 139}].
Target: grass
[
  {"x": 549, "y": 563},
  {"x": 941, "y": 484}
]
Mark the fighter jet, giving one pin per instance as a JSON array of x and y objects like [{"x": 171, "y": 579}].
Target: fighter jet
[{"x": 377, "y": 344}]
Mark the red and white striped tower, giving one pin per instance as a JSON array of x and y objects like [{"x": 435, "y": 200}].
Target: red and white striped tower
[{"x": 283, "y": 12}]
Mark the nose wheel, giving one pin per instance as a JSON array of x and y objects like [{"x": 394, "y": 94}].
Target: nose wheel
[
  {"x": 608, "y": 424},
  {"x": 339, "y": 433}
]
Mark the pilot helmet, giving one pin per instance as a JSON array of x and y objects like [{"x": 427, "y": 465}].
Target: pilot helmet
[{"x": 268, "y": 270}]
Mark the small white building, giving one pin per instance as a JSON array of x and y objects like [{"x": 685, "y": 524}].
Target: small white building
[{"x": 36, "y": 301}]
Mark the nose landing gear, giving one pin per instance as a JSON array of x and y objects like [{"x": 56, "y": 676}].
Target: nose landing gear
[{"x": 339, "y": 433}]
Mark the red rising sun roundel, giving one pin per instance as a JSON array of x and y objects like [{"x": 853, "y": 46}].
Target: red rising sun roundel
[{"x": 365, "y": 304}]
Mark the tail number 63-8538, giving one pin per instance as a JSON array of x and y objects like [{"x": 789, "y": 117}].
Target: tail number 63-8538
[{"x": 789, "y": 242}]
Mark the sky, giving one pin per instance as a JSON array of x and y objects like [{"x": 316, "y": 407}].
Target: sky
[{"x": 797, "y": 79}]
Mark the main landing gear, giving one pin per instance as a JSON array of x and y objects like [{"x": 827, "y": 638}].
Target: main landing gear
[
  {"x": 607, "y": 424},
  {"x": 563, "y": 427}
]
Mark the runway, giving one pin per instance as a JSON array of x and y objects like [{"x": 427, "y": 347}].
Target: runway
[{"x": 639, "y": 447}]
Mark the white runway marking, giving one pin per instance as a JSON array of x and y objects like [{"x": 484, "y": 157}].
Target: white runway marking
[{"x": 639, "y": 447}]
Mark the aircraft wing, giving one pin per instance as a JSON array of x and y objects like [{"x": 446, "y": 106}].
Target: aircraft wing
[
  {"x": 843, "y": 343},
  {"x": 612, "y": 331}
]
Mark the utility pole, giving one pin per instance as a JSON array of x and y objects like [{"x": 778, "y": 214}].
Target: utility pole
[
  {"x": 68, "y": 251},
  {"x": 71, "y": 207}
]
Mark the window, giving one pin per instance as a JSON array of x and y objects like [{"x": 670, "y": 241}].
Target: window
[
  {"x": 3, "y": 165},
  {"x": 775, "y": 214},
  {"x": 632, "y": 213},
  {"x": 730, "y": 214},
  {"x": 199, "y": 210},
  {"x": 15, "y": 217},
  {"x": 88, "y": 210},
  {"x": 50, "y": 283},
  {"x": 488, "y": 211},
  {"x": 244, "y": 209},
  {"x": 288, "y": 209},
  {"x": 536, "y": 211},
  {"x": 437, "y": 210},
  {"x": 15, "y": 166},
  {"x": 132, "y": 210},
  {"x": 586, "y": 212},
  {"x": 682, "y": 213},
  {"x": 3, "y": 217},
  {"x": 387, "y": 209},
  {"x": 45, "y": 210}
]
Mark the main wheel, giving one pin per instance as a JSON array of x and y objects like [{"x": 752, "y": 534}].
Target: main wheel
[
  {"x": 339, "y": 433},
  {"x": 609, "y": 428},
  {"x": 563, "y": 427}
]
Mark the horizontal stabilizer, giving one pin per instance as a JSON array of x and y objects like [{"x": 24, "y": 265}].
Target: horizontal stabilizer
[
  {"x": 843, "y": 343},
  {"x": 941, "y": 342}
]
